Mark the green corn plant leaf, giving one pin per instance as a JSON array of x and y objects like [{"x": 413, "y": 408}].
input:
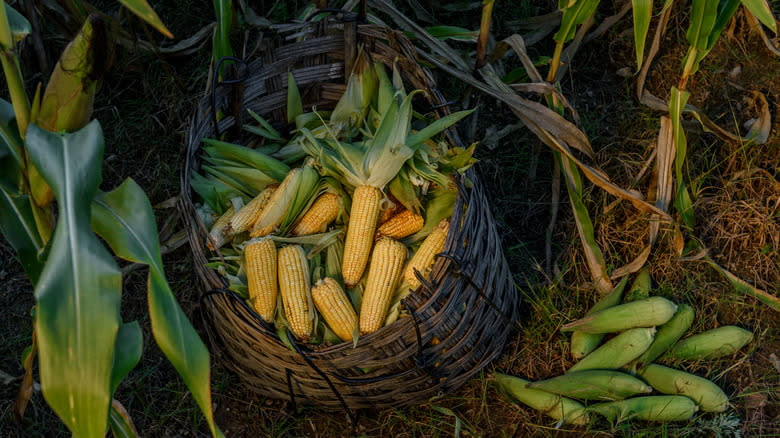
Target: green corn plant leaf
[
  {"x": 18, "y": 226},
  {"x": 726, "y": 10},
  {"x": 18, "y": 27},
  {"x": 744, "y": 287},
  {"x": 78, "y": 293},
  {"x": 294, "y": 102},
  {"x": 224, "y": 11},
  {"x": 702, "y": 21},
  {"x": 127, "y": 352},
  {"x": 145, "y": 12},
  {"x": 275, "y": 135},
  {"x": 573, "y": 16},
  {"x": 125, "y": 220},
  {"x": 683, "y": 202},
  {"x": 593, "y": 255},
  {"x": 761, "y": 10},
  {"x": 120, "y": 422},
  {"x": 10, "y": 140},
  {"x": 643, "y": 12}
]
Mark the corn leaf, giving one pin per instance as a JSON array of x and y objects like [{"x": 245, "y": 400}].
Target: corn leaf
[
  {"x": 214, "y": 192},
  {"x": 18, "y": 28},
  {"x": 593, "y": 255},
  {"x": 726, "y": 10},
  {"x": 643, "y": 12},
  {"x": 683, "y": 202},
  {"x": 454, "y": 33},
  {"x": 761, "y": 10},
  {"x": 120, "y": 422},
  {"x": 221, "y": 47},
  {"x": 127, "y": 352},
  {"x": 742, "y": 286},
  {"x": 265, "y": 125},
  {"x": 294, "y": 102},
  {"x": 125, "y": 220},
  {"x": 78, "y": 292},
  {"x": 142, "y": 9},
  {"x": 702, "y": 21},
  {"x": 572, "y": 17}
]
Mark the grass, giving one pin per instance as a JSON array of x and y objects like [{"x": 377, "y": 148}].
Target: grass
[{"x": 144, "y": 107}]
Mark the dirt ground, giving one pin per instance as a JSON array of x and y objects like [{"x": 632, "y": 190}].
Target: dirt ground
[{"x": 144, "y": 106}]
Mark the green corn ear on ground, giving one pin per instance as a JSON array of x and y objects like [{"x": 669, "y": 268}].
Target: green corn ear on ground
[
  {"x": 594, "y": 385},
  {"x": 649, "y": 408},
  {"x": 722, "y": 341},
  {"x": 618, "y": 351},
  {"x": 649, "y": 312},
  {"x": 640, "y": 288},
  {"x": 553, "y": 405},
  {"x": 583, "y": 343},
  {"x": 706, "y": 394}
]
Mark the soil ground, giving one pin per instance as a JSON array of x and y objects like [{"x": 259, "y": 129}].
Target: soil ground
[{"x": 144, "y": 106}]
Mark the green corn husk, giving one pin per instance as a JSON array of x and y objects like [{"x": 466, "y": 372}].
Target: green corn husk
[
  {"x": 594, "y": 385},
  {"x": 706, "y": 394},
  {"x": 649, "y": 312},
  {"x": 667, "y": 335},
  {"x": 561, "y": 408},
  {"x": 648, "y": 408},
  {"x": 583, "y": 343},
  {"x": 267, "y": 130},
  {"x": 269, "y": 165},
  {"x": 722, "y": 341},
  {"x": 214, "y": 192},
  {"x": 640, "y": 288},
  {"x": 255, "y": 180},
  {"x": 618, "y": 351}
]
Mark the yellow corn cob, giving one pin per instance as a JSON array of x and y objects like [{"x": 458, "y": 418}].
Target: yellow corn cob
[
  {"x": 360, "y": 233},
  {"x": 335, "y": 307},
  {"x": 383, "y": 275},
  {"x": 249, "y": 213},
  {"x": 401, "y": 225},
  {"x": 320, "y": 215},
  {"x": 217, "y": 232},
  {"x": 423, "y": 258},
  {"x": 394, "y": 207},
  {"x": 295, "y": 289},
  {"x": 275, "y": 197},
  {"x": 260, "y": 265}
]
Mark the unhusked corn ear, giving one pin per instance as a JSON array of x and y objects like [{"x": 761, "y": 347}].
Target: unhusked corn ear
[
  {"x": 424, "y": 257},
  {"x": 217, "y": 232},
  {"x": 360, "y": 233},
  {"x": 259, "y": 230},
  {"x": 249, "y": 213},
  {"x": 334, "y": 306},
  {"x": 320, "y": 215},
  {"x": 553, "y": 405},
  {"x": 670, "y": 381},
  {"x": 649, "y": 312},
  {"x": 594, "y": 385},
  {"x": 386, "y": 266},
  {"x": 295, "y": 289},
  {"x": 261, "y": 274},
  {"x": 721, "y": 341},
  {"x": 401, "y": 225},
  {"x": 648, "y": 408},
  {"x": 640, "y": 288},
  {"x": 583, "y": 343},
  {"x": 668, "y": 334},
  {"x": 618, "y": 351}
]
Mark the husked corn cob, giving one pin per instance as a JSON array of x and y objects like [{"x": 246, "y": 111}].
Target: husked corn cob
[
  {"x": 261, "y": 274},
  {"x": 320, "y": 215},
  {"x": 258, "y": 231},
  {"x": 295, "y": 290},
  {"x": 386, "y": 213},
  {"x": 360, "y": 233},
  {"x": 248, "y": 214},
  {"x": 386, "y": 266},
  {"x": 334, "y": 306},
  {"x": 401, "y": 225},
  {"x": 217, "y": 232},
  {"x": 423, "y": 258}
]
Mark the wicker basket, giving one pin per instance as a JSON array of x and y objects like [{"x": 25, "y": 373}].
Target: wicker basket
[{"x": 460, "y": 318}]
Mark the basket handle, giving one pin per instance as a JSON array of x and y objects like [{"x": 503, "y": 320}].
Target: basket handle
[{"x": 215, "y": 82}]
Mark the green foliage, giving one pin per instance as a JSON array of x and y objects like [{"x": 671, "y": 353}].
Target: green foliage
[
  {"x": 78, "y": 293},
  {"x": 142, "y": 9}
]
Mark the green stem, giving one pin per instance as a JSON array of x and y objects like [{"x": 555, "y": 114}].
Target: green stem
[
  {"x": 13, "y": 77},
  {"x": 556, "y": 61},
  {"x": 690, "y": 62}
]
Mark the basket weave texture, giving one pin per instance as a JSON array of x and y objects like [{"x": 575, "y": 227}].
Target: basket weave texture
[{"x": 459, "y": 319}]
